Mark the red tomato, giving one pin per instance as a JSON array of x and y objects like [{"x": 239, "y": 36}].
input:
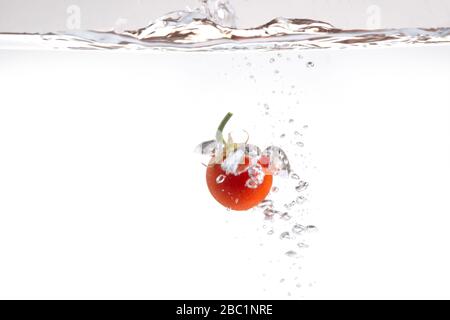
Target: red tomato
[{"x": 232, "y": 191}]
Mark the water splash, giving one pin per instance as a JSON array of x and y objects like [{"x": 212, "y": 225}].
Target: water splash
[
  {"x": 212, "y": 26},
  {"x": 219, "y": 11}
]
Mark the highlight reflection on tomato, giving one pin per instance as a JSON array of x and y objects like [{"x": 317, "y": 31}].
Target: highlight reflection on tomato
[{"x": 238, "y": 183}]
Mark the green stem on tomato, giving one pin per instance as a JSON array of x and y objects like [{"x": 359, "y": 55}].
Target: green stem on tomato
[{"x": 219, "y": 133}]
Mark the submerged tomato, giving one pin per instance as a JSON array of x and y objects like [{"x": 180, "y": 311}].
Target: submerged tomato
[
  {"x": 235, "y": 191},
  {"x": 241, "y": 186}
]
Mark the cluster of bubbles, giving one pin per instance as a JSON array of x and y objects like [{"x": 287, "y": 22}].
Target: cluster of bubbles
[
  {"x": 283, "y": 221},
  {"x": 256, "y": 175},
  {"x": 271, "y": 213}
]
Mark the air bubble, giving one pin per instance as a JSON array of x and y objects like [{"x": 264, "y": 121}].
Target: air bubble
[
  {"x": 300, "y": 144},
  {"x": 300, "y": 199},
  {"x": 207, "y": 147},
  {"x": 290, "y": 205},
  {"x": 285, "y": 235},
  {"x": 220, "y": 179},
  {"x": 311, "y": 228},
  {"x": 251, "y": 184},
  {"x": 298, "y": 228},
  {"x": 295, "y": 176},
  {"x": 291, "y": 254},
  {"x": 301, "y": 186},
  {"x": 285, "y": 216},
  {"x": 269, "y": 213},
  {"x": 265, "y": 204}
]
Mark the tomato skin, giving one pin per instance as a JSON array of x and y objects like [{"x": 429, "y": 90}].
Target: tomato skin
[{"x": 232, "y": 192}]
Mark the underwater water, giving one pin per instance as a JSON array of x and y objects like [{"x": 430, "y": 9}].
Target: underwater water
[{"x": 97, "y": 135}]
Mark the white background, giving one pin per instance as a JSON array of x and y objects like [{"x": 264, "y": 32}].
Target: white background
[{"x": 101, "y": 195}]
